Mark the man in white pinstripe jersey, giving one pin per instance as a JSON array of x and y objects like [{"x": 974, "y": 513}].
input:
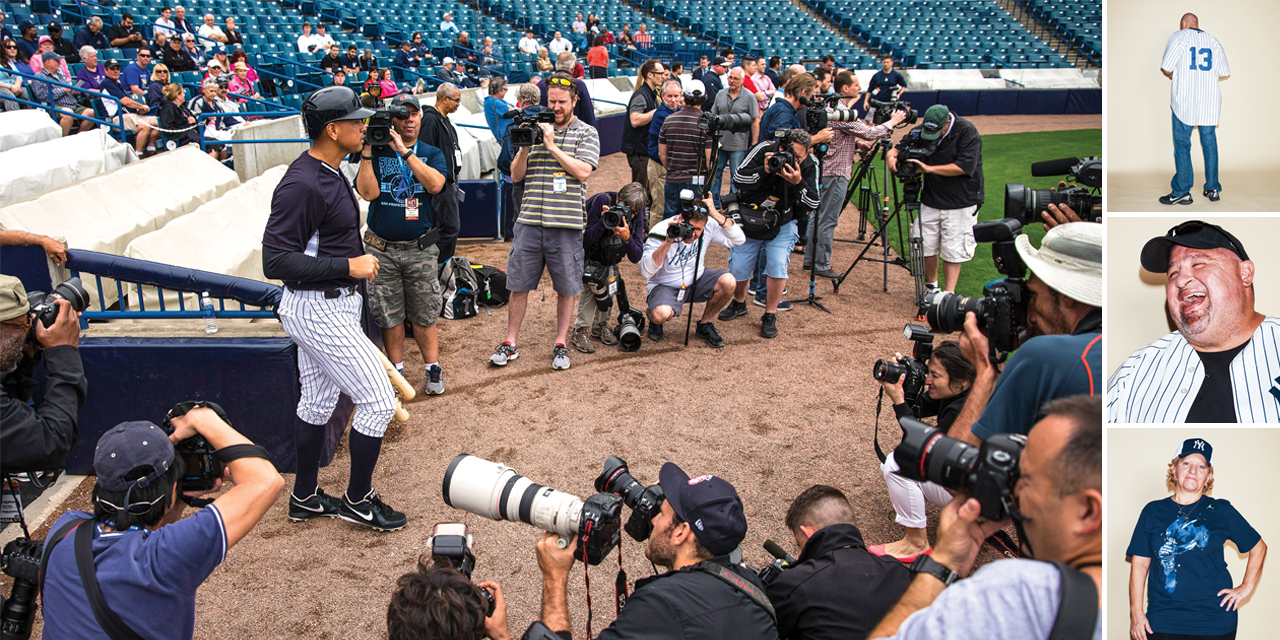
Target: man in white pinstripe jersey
[
  {"x": 1223, "y": 363},
  {"x": 1195, "y": 61}
]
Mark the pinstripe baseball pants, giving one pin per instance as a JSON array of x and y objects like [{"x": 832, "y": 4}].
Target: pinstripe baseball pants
[{"x": 335, "y": 356}]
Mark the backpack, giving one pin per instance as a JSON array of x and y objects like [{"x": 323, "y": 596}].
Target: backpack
[
  {"x": 461, "y": 289},
  {"x": 493, "y": 285}
]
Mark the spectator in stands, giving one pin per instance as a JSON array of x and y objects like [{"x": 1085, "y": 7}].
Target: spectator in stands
[
  {"x": 307, "y": 41},
  {"x": 438, "y": 132},
  {"x": 197, "y": 54},
  {"x": 372, "y": 96},
  {"x": 164, "y": 24},
  {"x": 62, "y": 45},
  {"x": 215, "y": 71},
  {"x": 448, "y": 73},
  {"x": 672, "y": 99},
  {"x": 90, "y": 34},
  {"x": 241, "y": 84},
  {"x": 592, "y": 21},
  {"x": 92, "y": 73},
  {"x": 28, "y": 42},
  {"x": 368, "y": 62},
  {"x": 159, "y": 43},
  {"x": 211, "y": 31},
  {"x": 180, "y": 21},
  {"x": 4, "y": 31},
  {"x": 46, "y": 46},
  {"x": 239, "y": 56},
  {"x": 491, "y": 54},
  {"x": 712, "y": 81},
  {"x": 212, "y": 101},
  {"x": 640, "y": 109},
  {"x": 543, "y": 63},
  {"x": 332, "y": 60},
  {"x": 529, "y": 44},
  {"x": 351, "y": 61},
  {"x": 136, "y": 73},
  {"x": 883, "y": 85},
  {"x": 584, "y": 109},
  {"x": 684, "y": 147},
  {"x": 447, "y": 27},
  {"x": 339, "y": 77},
  {"x": 61, "y": 97},
  {"x": 733, "y": 146},
  {"x": 405, "y": 57},
  {"x": 176, "y": 58},
  {"x": 232, "y": 33},
  {"x": 625, "y": 38},
  {"x": 464, "y": 51},
  {"x": 774, "y": 71},
  {"x": 579, "y": 26},
  {"x": 389, "y": 87},
  {"x": 135, "y": 118},
  {"x": 126, "y": 35},
  {"x": 155, "y": 88},
  {"x": 559, "y": 44},
  {"x": 420, "y": 48},
  {"x": 642, "y": 38},
  {"x": 321, "y": 38},
  {"x": 220, "y": 54},
  {"x": 598, "y": 59},
  {"x": 10, "y": 75}
]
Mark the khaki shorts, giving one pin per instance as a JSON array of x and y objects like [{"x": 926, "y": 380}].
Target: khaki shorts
[
  {"x": 407, "y": 286},
  {"x": 947, "y": 232},
  {"x": 131, "y": 121}
]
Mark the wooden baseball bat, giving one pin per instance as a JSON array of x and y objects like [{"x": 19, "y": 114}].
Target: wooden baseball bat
[{"x": 402, "y": 386}]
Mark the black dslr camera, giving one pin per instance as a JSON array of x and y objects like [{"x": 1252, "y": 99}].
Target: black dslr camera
[
  {"x": 825, "y": 109},
  {"x": 988, "y": 472},
  {"x": 44, "y": 305},
  {"x": 450, "y": 540},
  {"x": 20, "y": 561},
  {"x": 619, "y": 215},
  {"x": 679, "y": 231},
  {"x": 884, "y": 111},
  {"x": 202, "y": 467},
  {"x": 1027, "y": 204},
  {"x": 915, "y": 366},
  {"x": 378, "y": 132},
  {"x": 644, "y": 502},
  {"x": 1002, "y": 311},
  {"x": 785, "y": 155},
  {"x": 524, "y": 130}
]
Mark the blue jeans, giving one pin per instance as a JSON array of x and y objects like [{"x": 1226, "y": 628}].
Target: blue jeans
[
  {"x": 671, "y": 197},
  {"x": 1185, "y": 177},
  {"x": 733, "y": 159}
]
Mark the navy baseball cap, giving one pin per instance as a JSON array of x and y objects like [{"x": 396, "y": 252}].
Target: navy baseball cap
[
  {"x": 406, "y": 99},
  {"x": 1196, "y": 445},
  {"x": 126, "y": 447},
  {"x": 719, "y": 60},
  {"x": 709, "y": 504},
  {"x": 24, "y": 25},
  {"x": 50, "y": 55},
  {"x": 1193, "y": 234}
]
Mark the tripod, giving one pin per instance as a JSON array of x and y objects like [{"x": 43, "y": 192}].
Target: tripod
[
  {"x": 813, "y": 298},
  {"x": 879, "y": 203}
]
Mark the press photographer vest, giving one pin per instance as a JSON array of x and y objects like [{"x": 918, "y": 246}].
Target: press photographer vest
[{"x": 635, "y": 140}]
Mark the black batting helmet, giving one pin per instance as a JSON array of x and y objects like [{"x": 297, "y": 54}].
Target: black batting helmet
[{"x": 329, "y": 104}]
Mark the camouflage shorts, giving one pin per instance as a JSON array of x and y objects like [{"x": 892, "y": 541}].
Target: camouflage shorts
[{"x": 407, "y": 285}]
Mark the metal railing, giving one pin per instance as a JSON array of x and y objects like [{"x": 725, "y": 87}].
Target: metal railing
[
  {"x": 282, "y": 60},
  {"x": 52, "y": 107}
]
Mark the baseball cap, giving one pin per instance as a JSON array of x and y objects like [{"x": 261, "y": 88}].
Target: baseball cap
[
  {"x": 126, "y": 447},
  {"x": 1193, "y": 234},
  {"x": 709, "y": 504},
  {"x": 55, "y": 26},
  {"x": 719, "y": 60},
  {"x": 695, "y": 88},
  {"x": 24, "y": 25},
  {"x": 1069, "y": 260},
  {"x": 447, "y": 61},
  {"x": 215, "y": 63},
  {"x": 13, "y": 299},
  {"x": 43, "y": 39},
  {"x": 406, "y": 99},
  {"x": 112, "y": 63},
  {"x": 1195, "y": 445},
  {"x": 935, "y": 122},
  {"x": 50, "y": 55}
]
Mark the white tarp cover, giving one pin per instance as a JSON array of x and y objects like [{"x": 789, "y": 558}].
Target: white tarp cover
[
  {"x": 486, "y": 144},
  {"x": 26, "y": 126},
  {"x": 1050, "y": 78},
  {"x": 603, "y": 89},
  {"x": 949, "y": 79},
  {"x": 37, "y": 168},
  {"x": 251, "y": 160}
]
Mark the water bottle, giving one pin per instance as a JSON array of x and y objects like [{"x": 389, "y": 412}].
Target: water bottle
[{"x": 206, "y": 309}]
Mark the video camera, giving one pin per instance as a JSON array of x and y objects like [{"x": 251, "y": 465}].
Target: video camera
[
  {"x": 497, "y": 492},
  {"x": 524, "y": 130},
  {"x": 1027, "y": 204},
  {"x": 644, "y": 502},
  {"x": 20, "y": 561},
  {"x": 988, "y": 472},
  {"x": 1002, "y": 311},
  {"x": 825, "y": 109},
  {"x": 378, "y": 133},
  {"x": 450, "y": 540},
  {"x": 44, "y": 305},
  {"x": 884, "y": 111},
  {"x": 915, "y": 366},
  {"x": 781, "y": 560},
  {"x": 724, "y": 123}
]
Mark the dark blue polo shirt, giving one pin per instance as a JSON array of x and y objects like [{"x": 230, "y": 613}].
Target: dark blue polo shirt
[
  {"x": 883, "y": 83},
  {"x": 314, "y": 228},
  {"x": 387, "y": 214},
  {"x": 779, "y": 116}
]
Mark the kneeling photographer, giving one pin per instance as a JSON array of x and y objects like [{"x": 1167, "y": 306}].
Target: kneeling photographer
[
  {"x": 927, "y": 384},
  {"x": 132, "y": 566},
  {"x": 37, "y": 327},
  {"x": 615, "y": 229},
  {"x": 675, "y": 259},
  {"x": 1052, "y": 490},
  {"x": 704, "y": 595},
  {"x": 948, "y": 151}
]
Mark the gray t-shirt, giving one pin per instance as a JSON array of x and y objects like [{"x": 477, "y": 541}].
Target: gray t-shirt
[
  {"x": 1005, "y": 600},
  {"x": 744, "y": 103}
]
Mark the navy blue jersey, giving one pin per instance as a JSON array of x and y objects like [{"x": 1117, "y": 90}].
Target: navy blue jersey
[
  {"x": 882, "y": 84},
  {"x": 314, "y": 228},
  {"x": 388, "y": 216}
]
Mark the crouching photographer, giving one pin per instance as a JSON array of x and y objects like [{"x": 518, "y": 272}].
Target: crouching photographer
[
  {"x": 132, "y": 567},
  {"x": 1052, "y": 490},
  {"x": 438, "y": 599},
  {"x": 704, "y": 595},
  {"x": 615, "y": 229}
]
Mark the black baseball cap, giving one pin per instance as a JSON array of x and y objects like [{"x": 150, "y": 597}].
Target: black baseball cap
[
  {"x": 719, "y": 60},
  {"x": 709, "y": 504},
  {"x": 112, "y": 63},
  {"x": 408, "y": 100},
  {"x": 126, "y": 447},
  {"x": 1195, "y": 445},
  {"x": 1193, "y": 234}
]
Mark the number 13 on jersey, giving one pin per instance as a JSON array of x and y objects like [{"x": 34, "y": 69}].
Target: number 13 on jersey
[{"x": 1206, "y": 64}]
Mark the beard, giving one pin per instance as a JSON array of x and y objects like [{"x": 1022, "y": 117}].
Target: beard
[
  {"x": 1195, "y": 321},
  {"x": 660, "y": 550},
  {"x": 11, "y": 344}
]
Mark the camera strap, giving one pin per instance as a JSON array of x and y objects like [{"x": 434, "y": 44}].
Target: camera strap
[
  {"x": 738, "y": 582},
  {"x": 111, "y": 623},
  {"x": 875, "y": 439},
  {"x": 1077, "y": 604}
]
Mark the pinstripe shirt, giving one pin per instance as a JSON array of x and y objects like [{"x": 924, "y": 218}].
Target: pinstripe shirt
[
  {"x": 542, "y": 205},
  {"x": 1197, "y": 61},
  {"x": 1160, "y": 381}
]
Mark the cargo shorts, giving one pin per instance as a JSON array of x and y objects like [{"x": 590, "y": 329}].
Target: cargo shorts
[{"x": 407, "y": 286}]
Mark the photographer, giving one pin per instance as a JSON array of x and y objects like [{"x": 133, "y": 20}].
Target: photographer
[
  {"x": 837, "y": 168},
  {"x": 684, "y": 148},
  {"x": 1065, "y": 359},
  {"x": 778, "y": 181},
  {"x": 946, "y": 386},
  {"x": 836, "y": 588},
  {"x": 669, "y": 272},
  {"x": 1059, "y": 496},
  {"x": 437, "y": 601},
  {"x": 399, "y": 181},
  {"x": 733, "y": 144},
  {"x": 785, "y": 113},
  {"x": 704, "y": 595},
  {"x": 607, "y": 247},
  {"x": 148, "y": 560},
  {"x": 37, "y": 438},
  {"x": 952, "y": 190}
]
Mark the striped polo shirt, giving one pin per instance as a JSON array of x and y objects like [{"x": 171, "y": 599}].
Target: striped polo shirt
[
  {"x": 542, "y": 206},
  {"x": 685, "y": 142}
]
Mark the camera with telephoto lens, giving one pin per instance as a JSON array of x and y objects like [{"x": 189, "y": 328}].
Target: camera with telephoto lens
[
  {"x": 497, "y": 492},
  {"x": 378, "y": 132},
  {"x": 20, "y": 561},
  {"x": 987, "y": 472},
  {"x": 524, "y": 130},
  {"x": 202, "y": 467},
  {"x": 450, "y": 540},
  {"x": 1027, "y": 204},
  {"x": 44, "y": 305},
  {"x": 915, "y": 367},
  {"x": 885, "y": 110},
  {"x": 785, "y": 155},
  {"x": 825, "y": 109},
  {"x": 1002, "y": 310},
  {"x": 724, "y": 123},
  {"x": 644, "y": 502}
]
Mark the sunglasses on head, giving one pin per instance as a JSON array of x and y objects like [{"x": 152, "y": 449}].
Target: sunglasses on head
[
  {"x": 1196, "y": 226},
  {"x": 560, "y": 81}
]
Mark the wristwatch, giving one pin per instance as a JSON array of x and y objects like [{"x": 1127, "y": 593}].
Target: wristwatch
[{"x": 926, "y": 564}]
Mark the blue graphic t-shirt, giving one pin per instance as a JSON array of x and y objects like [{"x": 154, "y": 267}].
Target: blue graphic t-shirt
[
  {"x": 387, "y": 215},
  {"x": 1188, "y": 565}
]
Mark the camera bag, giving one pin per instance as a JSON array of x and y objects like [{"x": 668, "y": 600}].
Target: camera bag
[
  {"x": 461, "y": 289},
  {"x": 758, "y": 223},
  {"x": 493, "y": 285}
]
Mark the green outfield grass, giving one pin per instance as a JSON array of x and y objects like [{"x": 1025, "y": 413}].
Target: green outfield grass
[{"x": 1007, "y": 158}]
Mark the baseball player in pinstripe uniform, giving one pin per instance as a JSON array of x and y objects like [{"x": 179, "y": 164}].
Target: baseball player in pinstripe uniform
[
  {"x": 1195, "y": 61},
  {"x": 312, "y": 243},
  {"x": 1223, "y": 363}
]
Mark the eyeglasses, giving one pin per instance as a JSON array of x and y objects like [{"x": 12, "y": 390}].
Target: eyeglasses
[
  {"x": 9, "y": 46},
  {"x": 144, "y": 55},
  {"x": 157, "y": 70},
  {"x": 564, "y": 82}
]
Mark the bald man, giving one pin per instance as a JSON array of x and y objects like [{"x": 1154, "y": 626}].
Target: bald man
[{"x": 1196, "y": 63}]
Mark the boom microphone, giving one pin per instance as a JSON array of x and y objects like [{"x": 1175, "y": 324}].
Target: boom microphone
[
  {"x": 1059, "y": 167},
  {"x": 778, "y": 552}
]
